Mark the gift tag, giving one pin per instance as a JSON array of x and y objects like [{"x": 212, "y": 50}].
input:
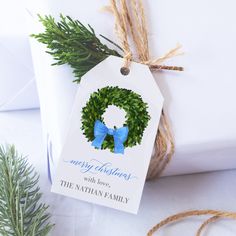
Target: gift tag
[{"x": 111, "y": 135}]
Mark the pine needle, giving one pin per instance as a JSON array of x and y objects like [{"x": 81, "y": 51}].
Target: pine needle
[
  {"x": 70, "y": 42},
  {"x": 21, "y": 212}
]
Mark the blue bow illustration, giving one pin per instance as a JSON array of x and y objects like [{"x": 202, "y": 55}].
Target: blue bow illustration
[{"x": 101, "y": 131}]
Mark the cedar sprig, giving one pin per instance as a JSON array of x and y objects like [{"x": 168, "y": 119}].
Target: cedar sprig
[
  {"x": 71, "y": 42},
  {"x": 21, "y": 212}
]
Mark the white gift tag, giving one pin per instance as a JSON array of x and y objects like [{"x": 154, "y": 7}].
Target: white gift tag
[{"x": 103, "y": 164}]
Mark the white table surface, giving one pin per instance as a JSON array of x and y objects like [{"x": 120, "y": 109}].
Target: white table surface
[{"x": 160, "y": 199}]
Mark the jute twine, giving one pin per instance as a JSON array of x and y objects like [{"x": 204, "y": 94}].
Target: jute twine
[
  {"x": 215, "y": 215},
  {"x": 130, "y": 26}
]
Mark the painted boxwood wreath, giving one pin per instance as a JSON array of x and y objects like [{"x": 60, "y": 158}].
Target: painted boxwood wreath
[{"x": 137, "y": 116}]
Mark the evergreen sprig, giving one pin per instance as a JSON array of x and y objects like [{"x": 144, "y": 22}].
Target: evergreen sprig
[
  {"x": 137, "y": 116},
  {"x": 21, "y": 213},
  {"x": 70, "y": 42}
]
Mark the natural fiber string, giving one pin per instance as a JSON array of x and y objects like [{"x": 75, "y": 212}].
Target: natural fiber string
[
  {"x": 205, "y": 223},
  {"x": 164, "y": 149},
  {"x": 122, "y": 30},
  {"x": 216, "y": 216},
  {"x": 130, "y": 20},
  {"x": 138, "y": 36}
]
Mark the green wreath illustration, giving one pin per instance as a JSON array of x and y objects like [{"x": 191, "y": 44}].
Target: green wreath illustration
[{"x": 115, "y": 139}]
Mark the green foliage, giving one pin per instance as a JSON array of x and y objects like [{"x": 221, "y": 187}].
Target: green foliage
[
  {"x": 70, "y": 42},
  {"x": 21, "y": 213},
  {"x": 137, "y": 116}
]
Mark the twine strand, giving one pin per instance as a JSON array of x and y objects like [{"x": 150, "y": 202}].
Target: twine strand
[
  {"x": 205, "y": 223},
  {"x": 170, "y": 54},
  {"x": 121, "y": 29},
  {"x": 164, "y": 149},
  {"x": 134, "y": 18},
  {"x": 216, "y": 216},
  {"x": 139, "y": 30},
  {"x": 130, "y": 24}
]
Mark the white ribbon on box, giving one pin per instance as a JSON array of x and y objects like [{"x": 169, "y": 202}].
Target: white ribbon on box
[{"x": 17, "y": 83}]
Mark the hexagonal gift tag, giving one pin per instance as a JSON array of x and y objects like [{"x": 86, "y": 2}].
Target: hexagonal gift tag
[{"x": 110, "y": 138}]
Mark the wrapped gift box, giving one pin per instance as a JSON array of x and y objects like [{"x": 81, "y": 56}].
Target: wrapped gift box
[
  {"x": 18, "y": 89},
  {"x": 200, "y": 101}
]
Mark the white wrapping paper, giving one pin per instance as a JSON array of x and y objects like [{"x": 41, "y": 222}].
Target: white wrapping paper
[
  {"x": 18, "y": 89},
  {"x": 200, "y": 102}
]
